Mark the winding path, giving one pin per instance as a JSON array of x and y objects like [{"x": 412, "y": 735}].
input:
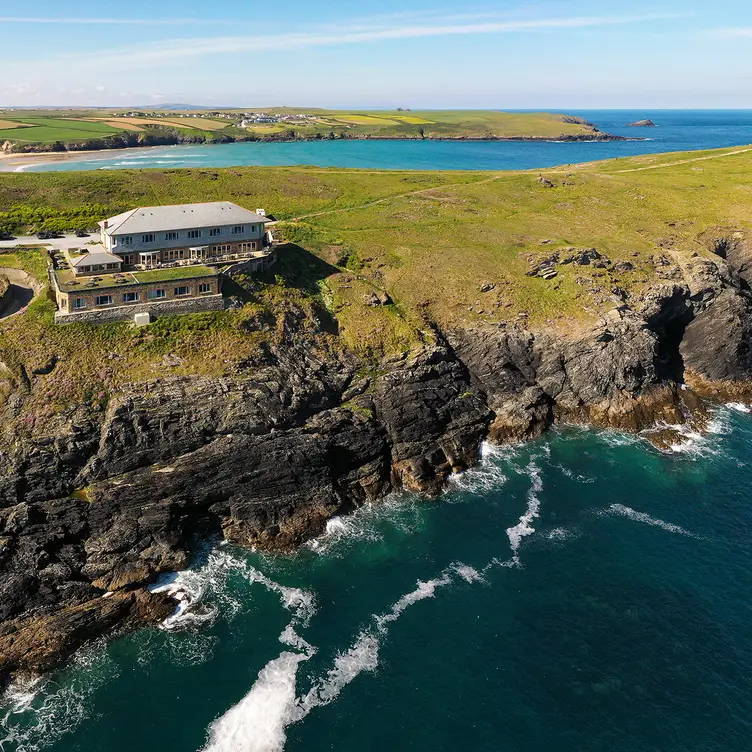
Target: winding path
[{"x": 23, "y": 290}]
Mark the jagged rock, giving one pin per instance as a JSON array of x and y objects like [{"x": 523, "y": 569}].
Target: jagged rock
[
  {"x": 642, "y": 124},
  {"x": 266, "y": 456}
]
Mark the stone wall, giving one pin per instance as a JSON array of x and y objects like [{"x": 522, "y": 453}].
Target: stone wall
[
  {"x": 126, "y": 312},
  {"x": 64, "y": 299}
]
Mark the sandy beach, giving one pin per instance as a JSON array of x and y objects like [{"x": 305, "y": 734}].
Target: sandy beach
[{"x": 20, "y": 162}]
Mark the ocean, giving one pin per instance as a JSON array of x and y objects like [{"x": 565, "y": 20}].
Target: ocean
[
  {"x": 581, "y": 592},
  {"x": 678, "y": 130}
]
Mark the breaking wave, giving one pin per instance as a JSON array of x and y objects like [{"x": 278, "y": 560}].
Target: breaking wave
[
  {"x": 625, "y": 511},
  {"x": 259, "y": 721},
  {"x": 524, "y": 527}
]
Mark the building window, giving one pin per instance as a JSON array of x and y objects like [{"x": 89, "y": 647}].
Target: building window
[
  {"x": 130, "y": 297},
  {"x": 113, "y": 266},
  {"x": 150, "y": 238},
  {"x": 103, "y": 300},
  {"x": 239, "y": 230},
  {"x": 194, "y": 233},
  {"x": 215, "y": 232},
  {"x": 124, "y": 240},
  {"x": 171, "y": 236},
  {"x": 182, "y": 291},
  {"x": 77, "y": 303},
  {"x": 128, "y": 258},
  {"x": 156, "y": 294},
  {"x": 204, "y": 287}
]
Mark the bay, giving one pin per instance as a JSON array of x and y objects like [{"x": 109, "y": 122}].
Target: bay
[{"x": 678, "y": 130}]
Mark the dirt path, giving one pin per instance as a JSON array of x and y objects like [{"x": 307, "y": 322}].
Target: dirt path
[
  {"x": 23, "y": 290},
  {"x": 688, "y": 161},
  {"x": 394, "y": 197}
]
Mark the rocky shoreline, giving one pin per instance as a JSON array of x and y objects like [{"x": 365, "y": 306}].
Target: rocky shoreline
[
  {"x": 96, "y": 145},
  {"x": 94, "y": 507}
]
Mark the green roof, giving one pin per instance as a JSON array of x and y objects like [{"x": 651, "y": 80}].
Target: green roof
[{"x": 70, "y": 283}]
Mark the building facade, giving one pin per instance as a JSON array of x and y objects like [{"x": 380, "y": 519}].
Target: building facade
[
  {"x": 214, "y": 233},
  {"x": 160, "y": 260}
]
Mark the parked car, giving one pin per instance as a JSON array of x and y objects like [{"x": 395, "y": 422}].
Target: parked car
[
  {"x": 82, "y": 234},
  {"x": 6, "y": 236},
  {"x": 48, "y": 235}
]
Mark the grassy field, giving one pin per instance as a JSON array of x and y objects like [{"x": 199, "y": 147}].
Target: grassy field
[
  {"x": 73, "y": 125},
  {"x": 54, "y": 129},
  {"x": 446, "y": 248}
]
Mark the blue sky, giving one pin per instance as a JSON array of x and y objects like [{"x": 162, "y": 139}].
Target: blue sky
[{"x": 414, "y": 53}]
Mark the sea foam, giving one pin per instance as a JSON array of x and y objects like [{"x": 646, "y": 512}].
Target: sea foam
[{"x": 625, "y": 511}]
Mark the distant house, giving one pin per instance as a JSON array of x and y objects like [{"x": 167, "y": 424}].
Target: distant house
[{"x": 160, "y": 259}]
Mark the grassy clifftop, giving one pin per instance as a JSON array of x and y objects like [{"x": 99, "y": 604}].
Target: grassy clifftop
[
  {"x": 97, "y": 129},
  {"x": 375, "y": 257}
]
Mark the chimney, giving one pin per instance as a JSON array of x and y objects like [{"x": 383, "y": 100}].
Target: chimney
[{"x": 106, "y": 224}]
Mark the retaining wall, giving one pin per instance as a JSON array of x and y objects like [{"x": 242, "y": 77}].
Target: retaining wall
[{"x": 126, "y": 313}]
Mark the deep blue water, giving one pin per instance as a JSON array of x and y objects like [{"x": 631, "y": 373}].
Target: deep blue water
[
  {"x": 678, "y": 130},
  {"x": 581, "y": 593}
]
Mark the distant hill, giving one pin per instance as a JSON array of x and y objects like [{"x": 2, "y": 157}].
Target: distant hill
[{"x": 181, "y": 106}]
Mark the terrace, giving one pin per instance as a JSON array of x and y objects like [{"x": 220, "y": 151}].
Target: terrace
[{"x": 69, "y": 283}]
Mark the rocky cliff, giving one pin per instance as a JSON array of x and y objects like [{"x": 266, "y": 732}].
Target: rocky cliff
[{"x": 98, "y": 502}]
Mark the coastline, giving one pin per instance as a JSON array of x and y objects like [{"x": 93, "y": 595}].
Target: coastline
[{"x": 20, "y": 161}]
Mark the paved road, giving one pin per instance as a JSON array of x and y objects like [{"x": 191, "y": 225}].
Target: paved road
[{"x": 69, "y": 241}]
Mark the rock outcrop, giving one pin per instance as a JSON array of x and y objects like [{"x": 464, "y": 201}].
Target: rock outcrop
[
  {"x": 642, "y": 124},
  {"x": 99, "y": 503}
]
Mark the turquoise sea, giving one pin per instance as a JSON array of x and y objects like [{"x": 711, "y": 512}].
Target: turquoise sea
[
  {"x": 582, "y": 592},
  {"x": 678, "y": 130}
]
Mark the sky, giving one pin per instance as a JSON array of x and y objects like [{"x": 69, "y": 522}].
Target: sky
[{"x": 507, "y": 54}]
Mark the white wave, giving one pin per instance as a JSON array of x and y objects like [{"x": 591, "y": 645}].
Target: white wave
[
  {"x": 258, "y": 722},
  {"x": 560, "y": 534},
  {"x": 739, "y": 407},
  {"x": 524, "y": 527},
  {"x": 35, "y": 715},
  {"x": 487, "y": 475},
  {"x": 625, "y": 511}
]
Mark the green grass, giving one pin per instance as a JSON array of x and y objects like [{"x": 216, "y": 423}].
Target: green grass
[
  {"x": 50, "y": 129},
  {"x": 175, "y": 273},
  {"x": 431, "y": 241}
]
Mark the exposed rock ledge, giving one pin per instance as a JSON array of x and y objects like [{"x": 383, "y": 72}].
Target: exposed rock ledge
[{"x": 268, "y": 455}]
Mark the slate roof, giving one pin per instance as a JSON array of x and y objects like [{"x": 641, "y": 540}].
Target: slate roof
[
  {"x": 181, "y": 217},
  {"x": 98, "y": 257}
]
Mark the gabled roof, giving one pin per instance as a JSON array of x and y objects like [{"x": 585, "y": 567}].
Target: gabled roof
[
  {"x": 180, "y": 217},
  {"x": 98, "y": 257}
]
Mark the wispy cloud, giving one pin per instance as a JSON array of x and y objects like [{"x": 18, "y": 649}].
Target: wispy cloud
[
  {"x": 740, "y": 32},
  {"x": 173, "y": 50},
  {"x": 113, "y": 21}
]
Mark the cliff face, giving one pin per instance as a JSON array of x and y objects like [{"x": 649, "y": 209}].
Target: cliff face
[{"x": 265, "y": 456}]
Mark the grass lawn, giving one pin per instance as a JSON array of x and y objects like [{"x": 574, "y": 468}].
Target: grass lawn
[
  {"x": 175, "y": 273},
  {"x": 453, "y": 249},
  {"x": 56, "y": 129}
]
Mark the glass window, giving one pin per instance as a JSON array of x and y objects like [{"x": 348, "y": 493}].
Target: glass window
[
  {"x": 171, "y": 236},
  {"x": 239, "y": 230},
  {"x": 194, "y": 233},
  {"x": 184, "y": 290},
  {"x": 130, "y": 297},
  {"x": 204, "y": 287},
  {"x": 148, "y": 238},
  {"x": 103, "y": 300},
  {"x": 77, "y": 303},
  {"x": 124, "y": 240},
  {"x": 156, "y": 294},
  {"x": 215, "y": 231}
]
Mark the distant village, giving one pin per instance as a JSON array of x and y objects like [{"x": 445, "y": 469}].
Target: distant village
[{"x": 243, "y": 120}]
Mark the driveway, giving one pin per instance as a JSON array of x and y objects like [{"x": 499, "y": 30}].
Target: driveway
[{"x": 69, "y": 241}]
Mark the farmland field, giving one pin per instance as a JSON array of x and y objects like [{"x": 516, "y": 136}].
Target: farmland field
[{"x": 56, "y": 129}]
